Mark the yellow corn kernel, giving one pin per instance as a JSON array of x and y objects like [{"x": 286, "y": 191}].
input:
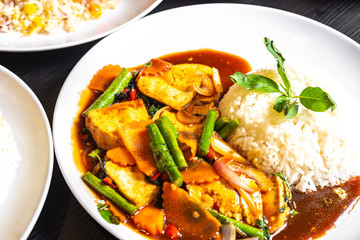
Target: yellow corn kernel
[
  {"x": 95, "y": 10},
  {"x": 15, "y": 16},
  {"x": 30, "y": 8},
  {"x": 37, "y": 23}
]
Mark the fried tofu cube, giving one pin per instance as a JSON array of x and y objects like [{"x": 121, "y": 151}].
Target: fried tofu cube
[
  {"x": 174, "y": 87},
  {"x": 132, "y": 184},
  {"x": 103, "y": 122}
]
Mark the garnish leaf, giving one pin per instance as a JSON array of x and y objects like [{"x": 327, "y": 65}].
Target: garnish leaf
[
  {"x": 264, "y": 227},
  {"x": 107, "y": 214},
  {"x": 280, "y": 62},
  {"x": 95, "y": 154},
  {"x": 291, "y": 110},
  {"x": 313, "y": 98},
  {"x": 255, "y": 81},
  {"x": 294, "y": 213},
  {"x": 316, "y": 99},
  {"x": 280, "y": 103}
]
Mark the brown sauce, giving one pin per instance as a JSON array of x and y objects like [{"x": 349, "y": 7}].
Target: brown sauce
[{"x": 318, "y": 211}]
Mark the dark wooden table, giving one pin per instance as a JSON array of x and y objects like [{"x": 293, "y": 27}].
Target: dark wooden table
[{"x": 45, "y": 72}]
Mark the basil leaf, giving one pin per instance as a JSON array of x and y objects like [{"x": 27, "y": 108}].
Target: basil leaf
[
  {"x": 316, "y": 99},
  {"x": 107, "y": 214},
  {"x": 291, "y": 110},
  {"x": 280, "y": 103},
  {"x": 255, "y": 81},
  {"x": 264, "y": 227},
  {"x": 280, "y": 62}
]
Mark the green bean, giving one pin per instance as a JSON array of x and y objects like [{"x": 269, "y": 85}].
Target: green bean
[
  {"x": 204, "y": 142},
  {"x": 229, "y": 128},
  {"x": 163, "y": 158},
  {"x": 171, "y": 143},
  {"x": 109, "y": 193},
  {"x": 117, "y": 86},
  {"x": 173, "y": 129},
  {"x": 222, "y": 122},
  {"x": 247, "y": 229}
]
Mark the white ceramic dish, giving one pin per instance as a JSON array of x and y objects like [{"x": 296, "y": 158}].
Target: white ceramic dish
[
  {"x": 127, "y": 12},
  {"x": 30, "y": 126},
  {"x": 233, "y": 28}
]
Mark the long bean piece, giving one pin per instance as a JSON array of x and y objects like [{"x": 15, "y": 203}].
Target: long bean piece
[
  {"x": 109, "y": 193},
  {"x": 204, "y": 142},
  {"x": 171, "y": 143},
  {"x": 161, "y": 153},
  {"x": 222, "y": 122},
  {"x": 247, "y": 229},
  {"x": 225, "y": 131},
  {"x": 117, "y": 86},
  {"x": 173, "y": 129}
]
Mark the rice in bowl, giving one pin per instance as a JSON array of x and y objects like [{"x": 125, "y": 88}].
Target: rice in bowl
[
  {"x": 46, "y": 16},
  {"x": 311, "y": 150},
  {"x": 9, "y": 159}
]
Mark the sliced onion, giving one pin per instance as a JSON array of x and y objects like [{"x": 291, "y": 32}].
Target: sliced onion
[
  {"x": 217, "y": 80},
  {"x": 228, "y": 231},
  {"x": 188, "y": 118},
  {"x": 205, "y": 87},
  {"x": 200, "y": 109},
  {"x": 233, "y": 179},
  {"x": 261, "y": 179},
  {"x": 161, "y": 110},
  {"x": 225, "y": 149}
]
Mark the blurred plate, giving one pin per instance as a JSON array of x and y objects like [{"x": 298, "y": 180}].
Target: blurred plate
[
  {"x": 127, "y": 12},
  {"x": 30, "y": 126},
  {"x": 233, "y": 28}
]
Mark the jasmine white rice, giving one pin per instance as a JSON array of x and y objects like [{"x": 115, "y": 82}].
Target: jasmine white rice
[
  {"x": 9, "y": 159},
  {"x": 312, "y": 150}
]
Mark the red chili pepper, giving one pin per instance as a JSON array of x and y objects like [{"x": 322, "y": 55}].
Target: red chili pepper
[
  {"x": 216, "y": 206},
  {"x": 133, "y": 95},
  {"x": 172, "y": 232},
  {"x": 211, "y": 154},
  {"x": 153, "y": 178},
  {"x": 109, "y": 182}
]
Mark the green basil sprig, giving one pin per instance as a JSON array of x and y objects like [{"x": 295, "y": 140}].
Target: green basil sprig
[{"x": 313, "y": 98}]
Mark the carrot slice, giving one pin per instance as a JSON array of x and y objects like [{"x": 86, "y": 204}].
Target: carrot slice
[
  {"x": 188, "y": 142},
  {"x": 137, "y": 141},
  {"x": 187, "y": 214},
  {"x": 150, "y": 219},
  {"x": 157, "y": 67},
  {"x": 104, "y": 77},
  {"x": 121, "y": 156},
  {"x": 199, "y": 172}
]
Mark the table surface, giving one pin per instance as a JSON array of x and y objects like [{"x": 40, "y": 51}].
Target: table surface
[{"x": 45, "y": 72}]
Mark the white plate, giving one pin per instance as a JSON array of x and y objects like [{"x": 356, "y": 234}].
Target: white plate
[
  {"x": 233, "y": 28},
  {"x": 127, "y": 12},
  {"x": 30, "y": 126}
]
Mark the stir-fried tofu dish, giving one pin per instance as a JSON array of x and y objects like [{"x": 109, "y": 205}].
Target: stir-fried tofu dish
[{"x": 158, "y": 145}]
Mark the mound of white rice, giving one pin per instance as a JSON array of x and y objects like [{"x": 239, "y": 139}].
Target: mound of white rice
[
  {"x": 311, "y": 150},
  {"x": 9, "y": 159}
]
